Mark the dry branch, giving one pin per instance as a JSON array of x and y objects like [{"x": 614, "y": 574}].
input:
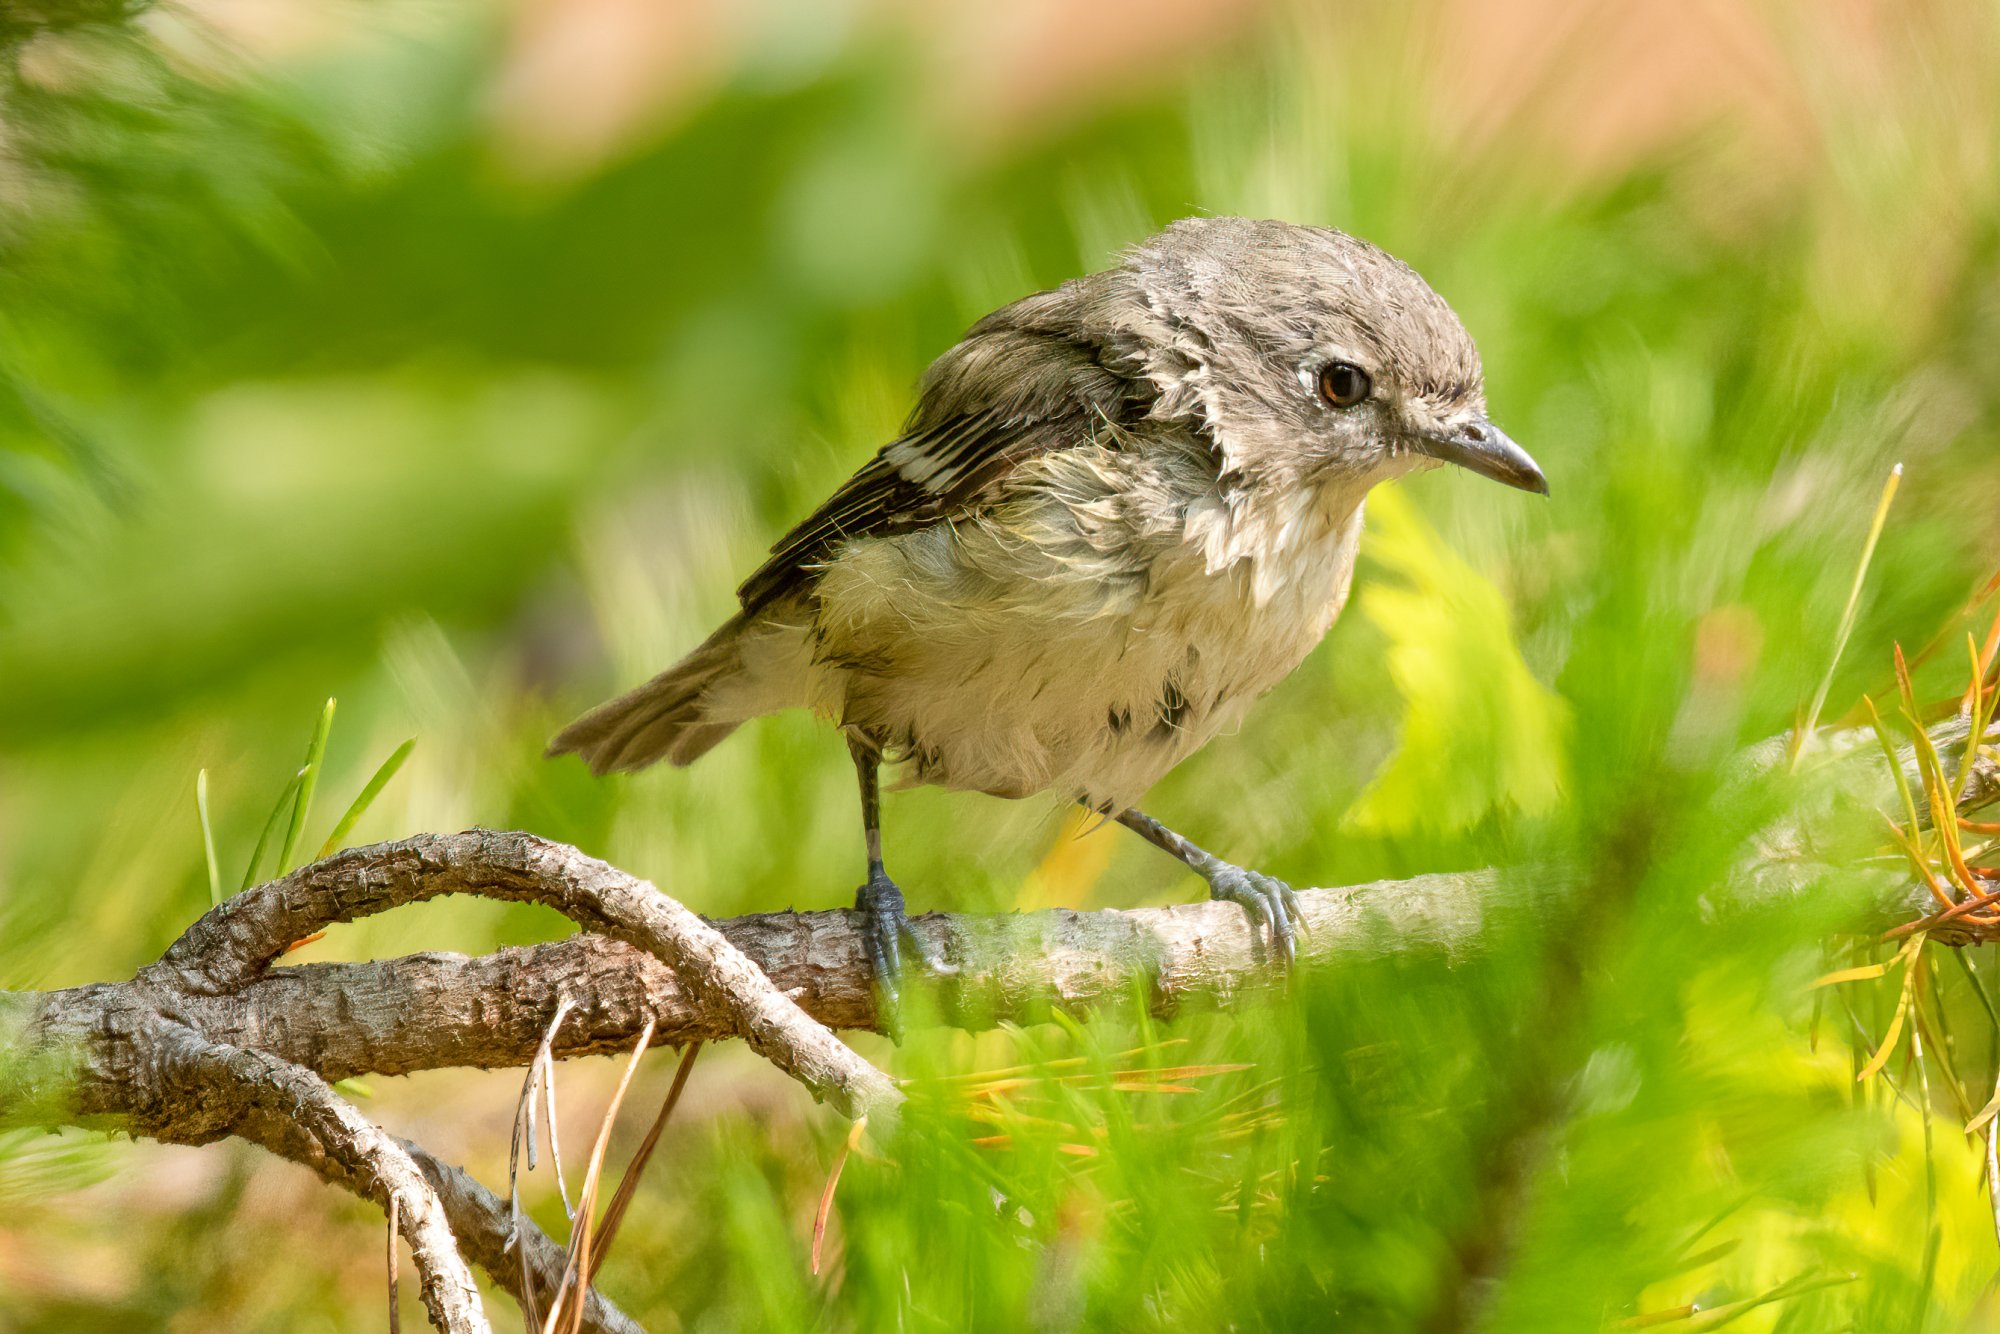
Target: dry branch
[
  {"x": 294, "y": 1112},
  {"x": 215, "y": 1040},
  {"x": 139, "y": 1055},
  {"x": 236, "y": 943}
]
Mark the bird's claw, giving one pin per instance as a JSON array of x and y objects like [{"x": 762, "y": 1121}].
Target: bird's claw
[
  {"x": 1271, "y": 903},
  {"x": 886, "y": 930}
]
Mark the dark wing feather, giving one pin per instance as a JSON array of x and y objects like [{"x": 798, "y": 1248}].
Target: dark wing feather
[{"x": 1009, "y": 392}]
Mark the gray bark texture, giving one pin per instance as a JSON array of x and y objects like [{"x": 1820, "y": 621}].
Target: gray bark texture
[{"x": 216, "y": 1039}]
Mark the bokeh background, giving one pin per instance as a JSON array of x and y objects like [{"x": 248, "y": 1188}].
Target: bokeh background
[{"x": 454, "y": 359}]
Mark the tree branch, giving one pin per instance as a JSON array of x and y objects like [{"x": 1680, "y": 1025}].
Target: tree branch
[
  {"x": 291, "y": 1111},
  {"x": 480, "y": 1221},
  {"x": 213, "y": 1040},
  {"x": 235, "y": 943}
]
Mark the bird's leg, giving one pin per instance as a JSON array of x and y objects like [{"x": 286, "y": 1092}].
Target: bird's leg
[
  {"x": 1270, "y": 902},
  {"x": 887, "y": 928}
]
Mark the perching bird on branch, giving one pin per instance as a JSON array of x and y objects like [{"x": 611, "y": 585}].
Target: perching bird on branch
[{"x": 1120, "y": 512}]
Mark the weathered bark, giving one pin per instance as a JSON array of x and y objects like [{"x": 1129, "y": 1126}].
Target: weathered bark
[
  {"x": 139, "y": 1056},
  {"x": 215, "y": 1040},
  {"x": 293, "y": 1111},
  {"x": 236, "y": 943}
]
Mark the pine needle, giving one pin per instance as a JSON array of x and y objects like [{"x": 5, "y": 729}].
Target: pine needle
[
  {"x": 285, "y": 800},
  {"x": 1861, "y": 974},
  {"x": 628, "y": 1185},
  {"x": 1907, "y": 958},
  {"x": 1849, "y": 613},
  {"x": 208, "y": 839},
  {"x": 308, "y": 781},
  {"x": 576, "y": 1277},
  {"x": 832, "y": 1181},
  {"x": 338, "y": 838}
]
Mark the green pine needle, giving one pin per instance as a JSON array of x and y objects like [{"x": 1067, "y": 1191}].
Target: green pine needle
[
  {"x": 308, "y": 781},
  {"x": 338, "y": 838},
  {"x": 207, "y": 838},
  {"x": 285, "y": 800},
  {"x": 1848, "y": 613}
]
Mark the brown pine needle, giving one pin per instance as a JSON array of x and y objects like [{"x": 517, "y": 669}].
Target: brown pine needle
[
  {"x": 1861, "y": 974},
  {"x": 395, "y": 1308},
  {"x": 548, "y": 1060},
  {"x": 1907, "y": 956},
  {"x": 541, "y": 1075},
  {"x": 1954, "y": 850},
  {"x": 1923, "y": 865},
  {"x": 1992, "y": 648},
  {"x": 833, "y": 1180},
  {"x": 628, "y": 1185},
  {"x": 576, "y": 1275}
]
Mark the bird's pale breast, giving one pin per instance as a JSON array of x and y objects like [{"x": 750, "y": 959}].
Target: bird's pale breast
[{"x": 1084, "y": 636}]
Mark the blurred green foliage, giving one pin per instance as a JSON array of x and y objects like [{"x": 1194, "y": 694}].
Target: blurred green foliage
[{"x": 308, "y": 389}]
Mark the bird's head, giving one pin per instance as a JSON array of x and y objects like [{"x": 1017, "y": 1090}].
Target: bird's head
[{"x": 1310, "y": 356}]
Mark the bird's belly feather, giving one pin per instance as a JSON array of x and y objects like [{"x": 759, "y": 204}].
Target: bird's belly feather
[{"x": 1013, "y": 662}]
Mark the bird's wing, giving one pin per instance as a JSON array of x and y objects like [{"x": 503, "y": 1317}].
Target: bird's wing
[{"x": 1004, "y": 395}]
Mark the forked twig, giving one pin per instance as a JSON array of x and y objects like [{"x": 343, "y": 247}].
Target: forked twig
[{"x": 232, "y": 946}]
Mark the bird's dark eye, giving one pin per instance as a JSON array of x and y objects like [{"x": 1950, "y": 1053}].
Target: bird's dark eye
[{"x": 1343, "y": 384}]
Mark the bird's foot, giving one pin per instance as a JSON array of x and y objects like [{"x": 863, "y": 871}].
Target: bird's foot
[
  {"x": 885, "y": 932},
  {"x": 1271, "y": 903}
]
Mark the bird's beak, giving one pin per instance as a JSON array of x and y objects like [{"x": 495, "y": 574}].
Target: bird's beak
[{"x": 1482, "y": 447}]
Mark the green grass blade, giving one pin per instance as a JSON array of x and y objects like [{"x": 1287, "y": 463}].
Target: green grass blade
[
  {"x": 207, "y": 838},
  {"x": 1847, "y": 615},
  {"x": 338, "y": 837},
  {"x": 271, "y": 827},
  {"x": 308, "y": 781},
  {"x": 1983, "y": 702},
  {"x": 1895, "y": 765}
]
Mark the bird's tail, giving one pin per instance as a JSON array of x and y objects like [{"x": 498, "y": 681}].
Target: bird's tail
[{"x": 663, "y": 719}]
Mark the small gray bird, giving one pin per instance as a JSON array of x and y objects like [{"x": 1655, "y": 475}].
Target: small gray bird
[{"x": 1122, "y": 510}]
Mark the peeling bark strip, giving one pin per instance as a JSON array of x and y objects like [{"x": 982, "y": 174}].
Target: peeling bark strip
[{"x": 213, "y": 1040}]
